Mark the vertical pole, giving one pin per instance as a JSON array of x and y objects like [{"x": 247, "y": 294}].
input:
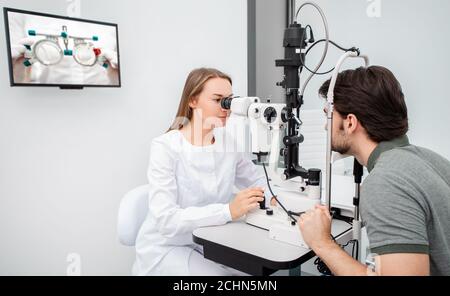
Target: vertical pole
[{"x": 291, "y": 12}]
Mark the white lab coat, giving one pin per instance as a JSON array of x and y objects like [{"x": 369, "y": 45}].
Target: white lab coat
[
  {"x": 68, "y": 71},
  {"x": 190, "y": 187}
]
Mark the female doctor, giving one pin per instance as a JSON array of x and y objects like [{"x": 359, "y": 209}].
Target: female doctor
[{"x": 191, "y": 179}]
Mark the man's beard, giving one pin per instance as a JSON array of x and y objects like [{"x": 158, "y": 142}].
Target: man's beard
[{"x": 340, "y": 143}]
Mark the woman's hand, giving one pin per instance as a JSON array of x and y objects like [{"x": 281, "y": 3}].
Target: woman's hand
[{"x": 245, "y": 201}]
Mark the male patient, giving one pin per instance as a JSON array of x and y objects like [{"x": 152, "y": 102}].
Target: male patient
[{"x": 405, "y": 200}]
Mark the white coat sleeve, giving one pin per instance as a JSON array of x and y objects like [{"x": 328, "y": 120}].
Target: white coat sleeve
[{"x": 171, "y": 219}]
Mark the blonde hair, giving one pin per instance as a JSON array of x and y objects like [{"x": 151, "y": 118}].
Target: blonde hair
[{"x": 193, "y": 86}]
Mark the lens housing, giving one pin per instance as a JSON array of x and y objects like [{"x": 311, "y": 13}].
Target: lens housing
[{"x": 225, "y": 103}]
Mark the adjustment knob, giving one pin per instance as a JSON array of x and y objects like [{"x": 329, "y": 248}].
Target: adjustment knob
[{"x": 270, "y": 114}]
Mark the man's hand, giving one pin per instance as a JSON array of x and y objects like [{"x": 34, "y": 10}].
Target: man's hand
[{"x": 315, "y": 226}]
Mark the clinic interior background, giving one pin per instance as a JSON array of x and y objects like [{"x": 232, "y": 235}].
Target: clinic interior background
[{"x": 67, "y": 157}]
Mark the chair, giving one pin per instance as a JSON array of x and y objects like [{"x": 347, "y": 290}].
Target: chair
[{"x": 132, "y": 212}]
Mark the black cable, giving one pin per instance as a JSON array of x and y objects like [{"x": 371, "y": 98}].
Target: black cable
[
  {"x": 342, "y": 232},
  {"x": 334, "y": 238},
  {"x": 335, "y": 44},
  {"x": 296, "y": 214},
  {"x": 353, "y": 249},
  {"x": 354, "y": 49},
  {"x": 349, "y": 242},
  {"x": 322, "y": 267},
  {"x": 274, "y": 196}
]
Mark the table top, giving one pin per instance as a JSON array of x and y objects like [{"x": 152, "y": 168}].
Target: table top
[{"x": 245, "y": 242}]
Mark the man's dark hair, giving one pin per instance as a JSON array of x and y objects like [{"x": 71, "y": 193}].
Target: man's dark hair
[{"x": 375, "y": 97}]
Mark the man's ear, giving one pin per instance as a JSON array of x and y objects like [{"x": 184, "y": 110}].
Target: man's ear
[{"x": 351, "y": 123}]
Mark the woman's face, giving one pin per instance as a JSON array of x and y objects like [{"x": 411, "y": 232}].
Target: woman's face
[{"x": 207, "y": 109}]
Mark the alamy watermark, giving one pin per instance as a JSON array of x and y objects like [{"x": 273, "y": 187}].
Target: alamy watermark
[
  {"x": 73, "y": 8},
  {"x": 374, "y": 9},
  {"x": 74, "y": 267}
]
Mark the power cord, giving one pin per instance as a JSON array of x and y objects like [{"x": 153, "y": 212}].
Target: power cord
[
  {"x": 354, "y": 49},
  {"x": 289, "y": 213},
  {"x": 321, "y": 266}
]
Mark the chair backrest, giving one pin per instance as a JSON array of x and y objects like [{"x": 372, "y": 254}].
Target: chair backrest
[{"x": 132, "y": 212}]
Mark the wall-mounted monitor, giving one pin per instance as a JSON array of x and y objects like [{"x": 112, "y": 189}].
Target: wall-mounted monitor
[{"x": 51, "y": 50}]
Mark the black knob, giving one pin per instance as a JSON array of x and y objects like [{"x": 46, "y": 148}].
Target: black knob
[
  {"x": 314, "y": 177},
  {"x": 285, "y": 115},
  {"x": 293, "y": 140},
  {"x": 262, "y": 204},
  {"x": 270, "y": 114}
]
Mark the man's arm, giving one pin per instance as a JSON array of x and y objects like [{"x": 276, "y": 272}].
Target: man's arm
[
  {"x": 342, "y": 264},
  {"x": 403, "y": 264},
  {"x": 338, "y": 261},
  {"x": 315, "y": 226}
]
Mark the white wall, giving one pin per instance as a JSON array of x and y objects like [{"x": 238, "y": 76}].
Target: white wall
[
  {"x": 411, "y": 38},
  {"x": 67, "y": 157}
]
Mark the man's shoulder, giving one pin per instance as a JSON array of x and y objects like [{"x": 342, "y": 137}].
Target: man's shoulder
[
  {"x": 393, "y": 168},
  {"x": 405, "y": 174},
  {"x": 407, "y": 155},
  {"x": 409, "y": 164},
  {"x": 411, "y": 155}
]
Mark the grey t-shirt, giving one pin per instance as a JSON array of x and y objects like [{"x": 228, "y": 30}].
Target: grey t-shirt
[{"x": 405, "y": 203}]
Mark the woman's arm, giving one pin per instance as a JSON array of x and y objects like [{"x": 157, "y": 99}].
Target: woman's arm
[
  {"x": 249, "y": 175},
  {"x": 171, "y": 219}
]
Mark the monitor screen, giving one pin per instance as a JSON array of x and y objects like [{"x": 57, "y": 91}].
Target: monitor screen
[{"x": 50, "y": 50}]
